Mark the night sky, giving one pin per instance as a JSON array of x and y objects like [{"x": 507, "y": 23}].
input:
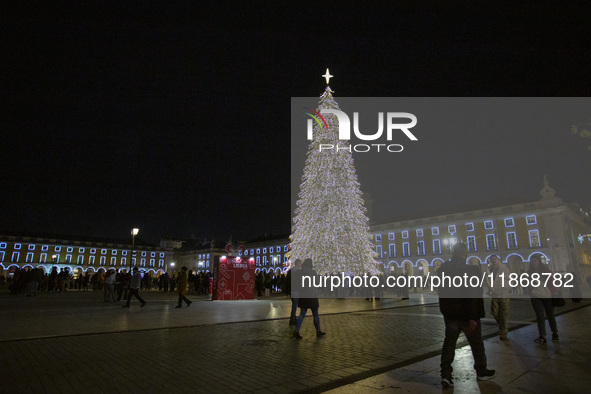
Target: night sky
[{"x": 175, "y": 116}]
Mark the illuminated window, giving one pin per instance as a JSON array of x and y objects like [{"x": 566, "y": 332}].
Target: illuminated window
[
  {"x": 436, "y": 246},
  {"x": 43, "y": 258},
  {"x": 93, "y": 251},
  {"x": 91, "y": 260},
  {"x": 391, "y": 236},
  {"x": 392, "y": 250},
  {"x": 271, "y": 250},
  {"x": 142, "y": 262},
  {"x": 80, "y": 260},
  {"x": 103, "y": 251},
  {"x": 488, "y": 224},
  {"x": 114, "y": 252},
  {"x": 472, "y": 243},
  {"x": 435, "y": 231},
  {"x": 469, "y": 226},
  {"x": 258, "y": 251},
  {"x": 421, "y": 248},
  {"x": 58, "y": 248},
  {"x": 161, "y": 255},
  {"x": 123, "y": 261},
  {"x": 534, "y": 239},
  {"x": 80, "y": 250},
  {"x": 2, "y": 245},
  {"x": 29, "y": 257},
  {"x": 68, "y": 258},
  {"x": 31, "y": 247},
  {"x": 264, "y": 250},
  {"x": 152, "y": 262},
  {"x": 17, "y": 246},
  {"x": 405, "y": 234},
  {"x": 70, "y": 249},
  {"x": 406, "y": 249},
  {"x": 153, "y": 254},
  {"x": 113, "y": 260},
  {"x": 379, "y": 251},
  {"x": 531, "y": 219},
  {"x": 161, "y": 263},
  {"x": 45, "y": 248},
  {"x": 451, "y": 229},
  {"x": 419, "y": 232},
  {"x": 511, "y": 241},
  {"x": 15, "y": 256},
  {"x": 103, "y": 260},
  {"x": 491, "y": 243},
  {"x": 1, "y": 255},
  {"x": 378, "y": 237},
  {"x": 144, "y": 255},
  {"x": 509, "y": 222}
]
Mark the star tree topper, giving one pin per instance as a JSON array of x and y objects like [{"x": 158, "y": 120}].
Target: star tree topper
[{"x": 327, "y": 76}]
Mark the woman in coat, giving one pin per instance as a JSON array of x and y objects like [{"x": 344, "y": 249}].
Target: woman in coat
[
  {"x": 541, "y": 299},
  {"x": 308, "y": 300},
  {"x": 183, "y": 281}
]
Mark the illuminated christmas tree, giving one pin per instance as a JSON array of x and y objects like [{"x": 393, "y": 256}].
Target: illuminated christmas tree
[{"x": 330, "y": 224}]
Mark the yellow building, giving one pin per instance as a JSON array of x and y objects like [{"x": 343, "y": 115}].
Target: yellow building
[
  {"x": 513, "y": 232},
  {"x": 78, "y": 254}
]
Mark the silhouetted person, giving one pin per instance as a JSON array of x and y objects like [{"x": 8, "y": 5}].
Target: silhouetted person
[
  {"x": 462, "y": 309},
  {"x": 182, "y": 287},
  {"x": 134, "y": 288},
  {"x": 294, "y": 292},
  {"x": 308, "y": 299},
  {"x": 541, "y": 299}
]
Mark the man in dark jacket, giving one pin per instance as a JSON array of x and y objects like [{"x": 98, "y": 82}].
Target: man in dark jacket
[
  {"x": 462, "y": 308},
  {"x": 308, "y": 297}
]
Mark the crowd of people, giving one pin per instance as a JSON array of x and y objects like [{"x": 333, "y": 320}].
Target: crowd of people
[{"x": 30, "y": 281}]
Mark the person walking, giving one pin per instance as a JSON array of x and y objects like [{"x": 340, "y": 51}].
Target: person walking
[
  {"x": 109, "y": 289},
  {"x": 182, "y": 280},
  {"x": 462, "y": 308},
  {"x": 294, "y": 293},
  {"x": 500, "y": 302},
  {"x": 308, "y": 299},
  {"x": 134, "y": 288},
  {"x": 541, "y": 299}
]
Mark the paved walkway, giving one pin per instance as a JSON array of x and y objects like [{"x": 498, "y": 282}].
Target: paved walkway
[
  {"x": 522, "y": 366},
  {"x": 72, "y": 342}
]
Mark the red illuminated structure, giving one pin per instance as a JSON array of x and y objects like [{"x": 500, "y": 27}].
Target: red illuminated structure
[{"x": 233, "y": 276}]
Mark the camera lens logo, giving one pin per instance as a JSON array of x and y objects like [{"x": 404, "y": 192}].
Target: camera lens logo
[{"x": 345, "y": 129}]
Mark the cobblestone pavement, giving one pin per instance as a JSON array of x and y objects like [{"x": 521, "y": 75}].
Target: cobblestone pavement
[{"x": 74, "y": 342}]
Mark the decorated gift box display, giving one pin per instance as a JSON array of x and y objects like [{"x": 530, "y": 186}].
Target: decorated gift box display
[{"x": 233, "y": 275}]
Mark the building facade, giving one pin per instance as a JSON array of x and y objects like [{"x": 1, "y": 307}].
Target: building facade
[
  {"x": 270, "y": 254},
  {"x": 514, "y": 232},
  {"x": 79, "y": 254}
]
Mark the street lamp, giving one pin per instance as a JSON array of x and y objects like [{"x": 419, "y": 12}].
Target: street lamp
[{"x": 134, "y": 232}]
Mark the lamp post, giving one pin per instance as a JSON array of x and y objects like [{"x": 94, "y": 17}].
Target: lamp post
[{"x": 134, "y": 232}]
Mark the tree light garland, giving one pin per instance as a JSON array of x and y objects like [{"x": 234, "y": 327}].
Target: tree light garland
[{"x": 330, "y": 224}]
